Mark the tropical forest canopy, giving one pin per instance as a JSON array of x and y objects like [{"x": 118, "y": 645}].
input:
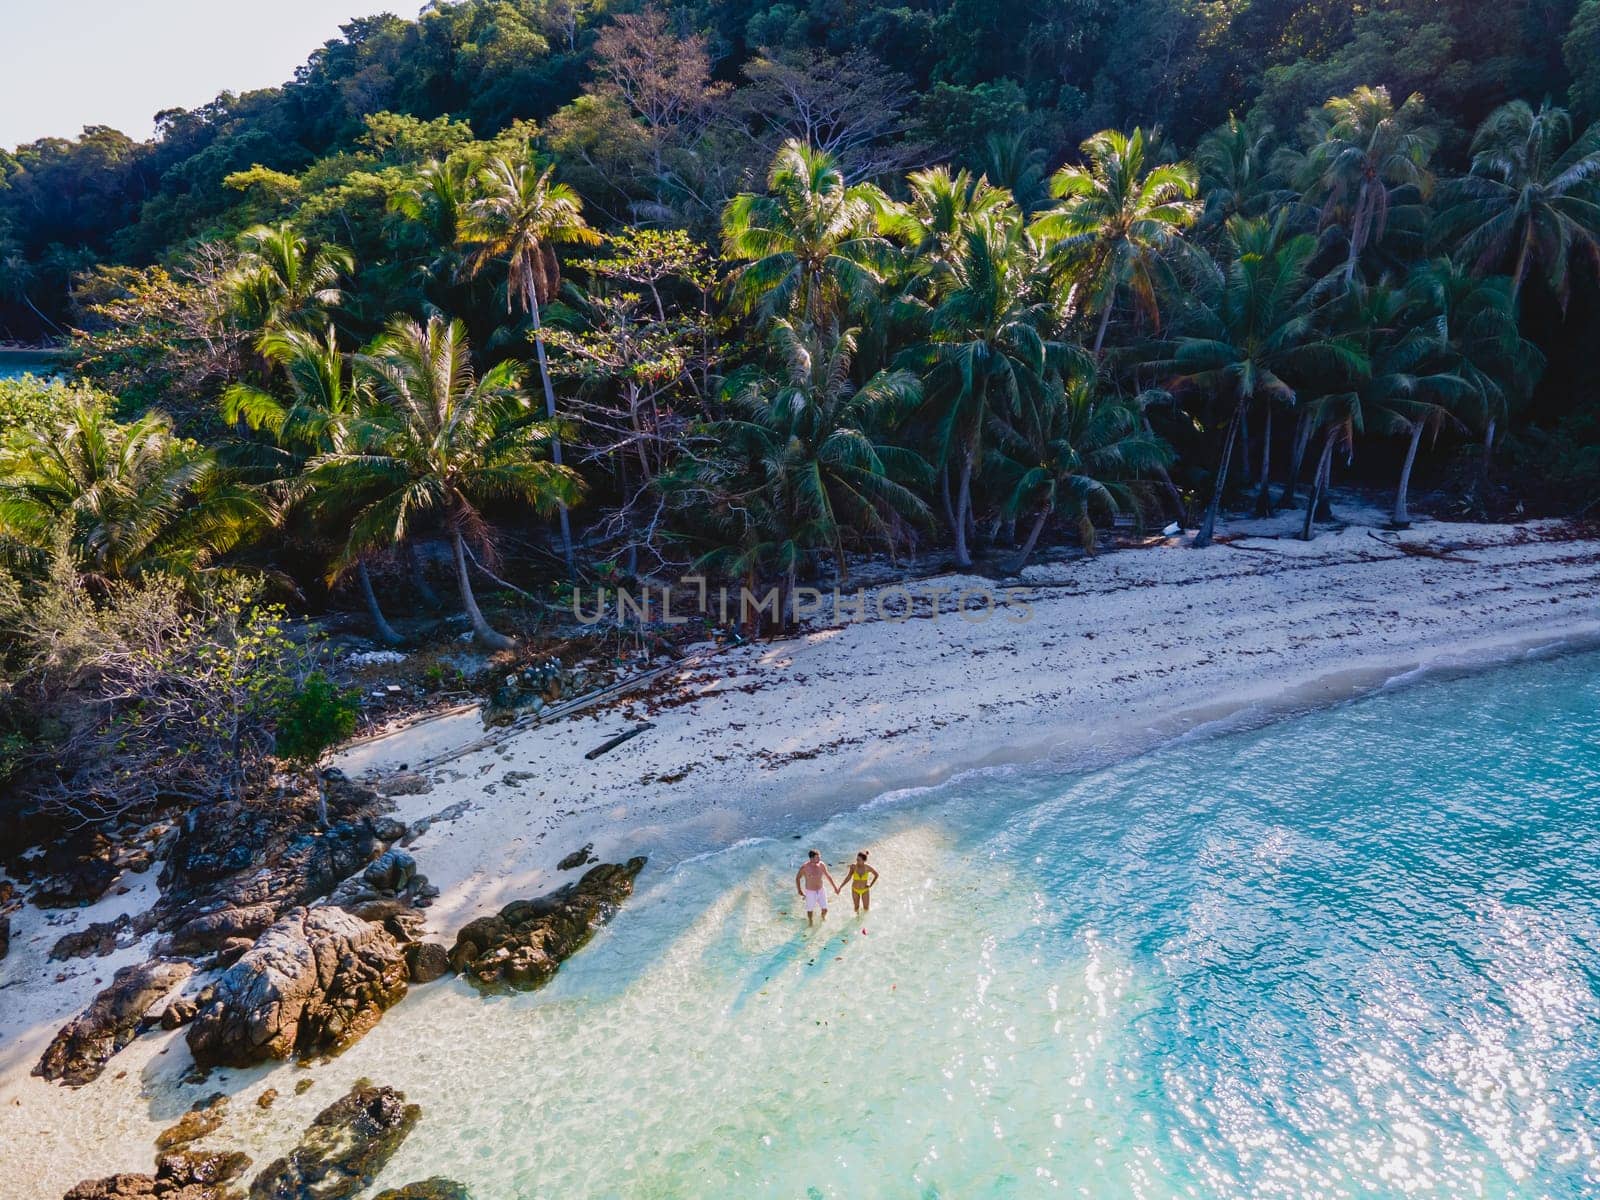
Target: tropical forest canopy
[{"x": 525, "y": 293}]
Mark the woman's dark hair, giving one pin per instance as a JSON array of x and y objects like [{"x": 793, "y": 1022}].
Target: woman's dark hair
[{"x": 861, "y": 853}]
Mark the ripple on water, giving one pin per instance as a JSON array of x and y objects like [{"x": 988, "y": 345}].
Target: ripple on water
[{"x": 1349, "y": 955}]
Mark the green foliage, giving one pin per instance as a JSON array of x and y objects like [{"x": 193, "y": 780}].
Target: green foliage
[{"x": 314, "y": 718}]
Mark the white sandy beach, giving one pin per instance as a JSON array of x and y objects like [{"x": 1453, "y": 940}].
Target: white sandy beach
[{"x": 1116, "y": 653}]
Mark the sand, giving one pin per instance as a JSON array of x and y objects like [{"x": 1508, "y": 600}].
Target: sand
[{"x": 1115, "y": 654}]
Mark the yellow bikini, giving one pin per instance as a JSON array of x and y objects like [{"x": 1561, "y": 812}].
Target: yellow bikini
[{"x": 858, "y": 879}]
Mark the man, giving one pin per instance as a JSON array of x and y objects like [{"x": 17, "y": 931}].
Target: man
[{"x": 808, "y": 882}]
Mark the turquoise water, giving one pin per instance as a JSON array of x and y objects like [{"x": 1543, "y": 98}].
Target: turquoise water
[
  {"x": 16, "y": 367},
  {"x": 1353, "y": 954}
]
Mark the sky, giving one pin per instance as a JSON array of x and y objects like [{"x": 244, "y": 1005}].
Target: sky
[{"x": 65, "y": 64}]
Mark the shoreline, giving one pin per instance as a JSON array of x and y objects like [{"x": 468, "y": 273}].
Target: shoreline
[{"x": 770, "y": 739}]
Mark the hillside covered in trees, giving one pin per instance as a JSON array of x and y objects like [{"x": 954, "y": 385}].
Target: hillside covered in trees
[{"x": 561, "y": 292}]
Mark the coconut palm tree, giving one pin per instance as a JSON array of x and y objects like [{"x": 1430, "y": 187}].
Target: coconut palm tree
[
  {"x": 519, "y": 218},
  {"x": 986, "y": 354},
  {"x": 280, "y": 279},
  {"x": 1076, "y": 453},
  {"x": 1118, "y": 224},
  {"x": 816, "y": 440},
  {"x": 1237, "y": 178},
  {"x": 438, "y": 197},
  {"x": 1475, "y": 318},
  {"x": 323, "y": 399},
  {"x": 443, "y": 442},
  {"x": 1253, "y": 336},
  {"x": 1531, "y": 204},
  {"x": 127, "y": 498},
  {"x": 1364, "y": 154},
  {"x": 942, "y": 206},
  {"x": 810, "y": 246}
]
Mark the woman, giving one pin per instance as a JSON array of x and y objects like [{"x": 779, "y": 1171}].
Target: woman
[{"x": 862, "y": 877}]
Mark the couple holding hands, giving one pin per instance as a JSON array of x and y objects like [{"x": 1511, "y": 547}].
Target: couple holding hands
[{"x": 813, "y": 874}]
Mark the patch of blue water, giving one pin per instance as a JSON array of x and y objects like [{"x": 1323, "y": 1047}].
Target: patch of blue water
[{"x": 1353, "y": 954}]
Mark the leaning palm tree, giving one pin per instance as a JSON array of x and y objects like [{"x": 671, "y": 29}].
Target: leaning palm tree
[
  {"x": 1364, "y": 155},
  {"x": 281, "y": 279},
  {"x": 1531, "y": 204},
  {"x": 519, "y": 217},
  {"x": 809, "y": 247},
  {"x": 1077, "y": 453},
  {"x": 442, "y": 442},
  {"x": 323, "y": 399},
  {"x": 987, "y": 353},
  {"x": 816, "y": 439},
  {"x": 1118, "y": 224},
  {"x": 1253, "y": 337},
  {"x": 127, "y": 498}
]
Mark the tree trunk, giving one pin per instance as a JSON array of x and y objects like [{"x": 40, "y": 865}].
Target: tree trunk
[
  {"x": 1208, "y": 523},
  {"x": 1264, "y": 496},
  {"x": 1402, "y": 514},
  {"x": 1246, "y": 467},
  {"x": 418, "y": 580},
  {"x": 944, "y": 499},
  {"x": 1483, "y": 469},
  {"x": 385, "y": 631},
  {"x": 1358, "y": 217},
  {"x": 550, "y": 411},
  {"x": 486, "y": 635},
  {"x": 1319, "y": 484},
  {"x": 963, "y": 500},
  {"x": 1105, "y": 324},
  {"x": 1033, "y": 540},
  {"x": 1297, "y": 460}
]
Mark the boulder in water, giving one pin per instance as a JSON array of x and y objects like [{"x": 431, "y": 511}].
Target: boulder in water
[
  {"x": 437, "y": 1188},
  {"x": 523, "y": 945},
  {"x": 315, "y": 982},
  {"x": 114, "y": 1018},
  {"x": 184, "y": 1175},
  {"x": 344, "y": 1148}
]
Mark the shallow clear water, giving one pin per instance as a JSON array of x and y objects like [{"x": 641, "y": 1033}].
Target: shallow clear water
[
  {"x": 14, "y": 367},
  {"x": 1353, "y": 954}
]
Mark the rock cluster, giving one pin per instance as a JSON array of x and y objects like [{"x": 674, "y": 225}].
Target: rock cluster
[
  {"x": 523, "y": 945},
  {"x": 80, "y": 1051},
  {"x": 344, "y": 1148},
  {"x": 313, "y": 983},
  {"x": 181, "y": 1175}
]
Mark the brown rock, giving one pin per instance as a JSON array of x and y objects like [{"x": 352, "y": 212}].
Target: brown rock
[
  {"x": 204, "y": 1116},
  {"x": 522, "y": 946},
  {"x": 113, "y": 1019},
  {"x": 427, "y": 961},
  {"x": 178, "y": 1013},
  {"x": 99, "y": 939},
  {"x": 214, "y": 930},
  {"x": 344, "y": 1148},
  {"x": 267, "y": 1098},
  {"x": 315, "y": 982},
  {"x": 437, "y": 1188}
]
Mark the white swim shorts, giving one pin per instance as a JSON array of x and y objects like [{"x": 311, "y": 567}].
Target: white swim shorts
[{"x": 816, "y": 901}]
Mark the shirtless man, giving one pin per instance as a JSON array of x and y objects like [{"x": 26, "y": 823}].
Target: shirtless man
[{"x": 808, "y": 882}]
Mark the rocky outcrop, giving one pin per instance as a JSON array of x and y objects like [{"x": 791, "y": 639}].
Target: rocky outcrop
[
  {"x": 315, "y": 982},
  {"x": 343, "y": 1150},
  {"x": 114, "y": 1018},
  {"x": 523, "y": 945},
  {"x": 427, "y": 961},
  {"x": 436, "y": 1188},
  {"x": 233, "y": 869},
  {"x": 5, "y": 935},
  {"x": 184, "y": 1175},
  {"x": 99, "y": 940},
  {"x": 204, "y": 1116}
]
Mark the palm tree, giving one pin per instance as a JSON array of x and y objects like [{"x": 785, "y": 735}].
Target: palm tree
[
  {"x": 810, "y": 246},
  {"x": 942, "y": 206},
  {"x": 443, "y": 442},
  {"x": 1012, "y": 162},
  {"x": 1532, "y": 201},
  {"x": 279, "y": 279},
  {"x": 1253, "y": 335},
  {"x": 815, "y": 438},
  {"x": 520, "y": 216},
  {"x": 1118, "y": 224},
  {"x": 1074, "y": 452},
  {"x": 986, "y": 354},
  {"x": 1364, "y": 151},
  {"x": 1236, "y": 174},
  {"x": 438, "y": 197},
  {"x": 126, "y": 498},
  {"x": 323, "y": 400},
  {"x": 1475, "y": 320}
]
